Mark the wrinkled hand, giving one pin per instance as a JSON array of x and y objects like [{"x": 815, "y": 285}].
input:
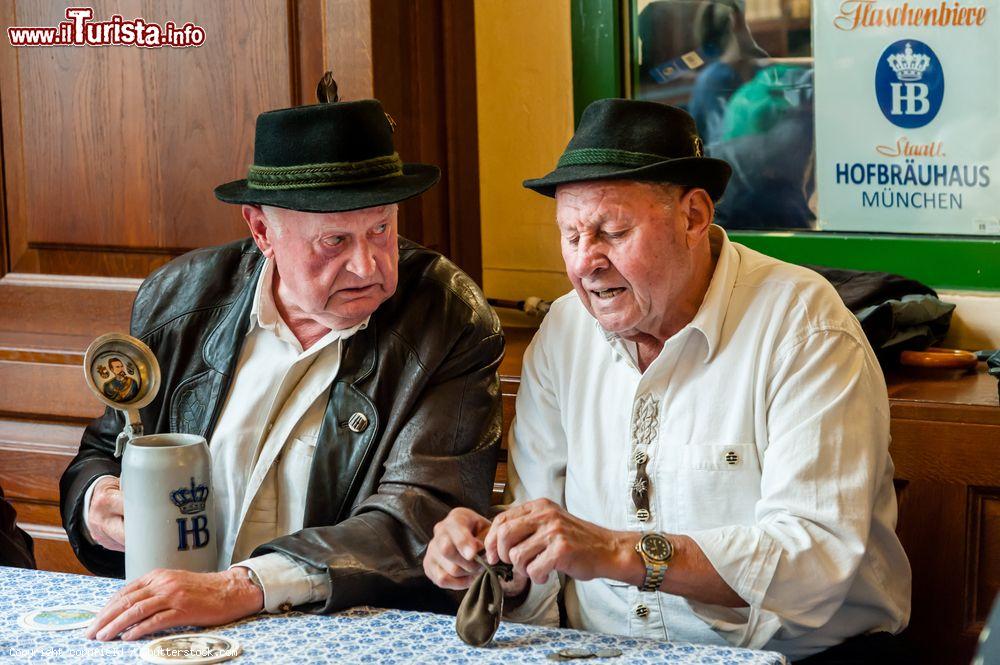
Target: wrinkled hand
[
  {"x": 450, "y": 560},
  {"x": 539, "y": 537},
  {"x": 106, "y": 518},
  {"x": 166, "y": 598}
]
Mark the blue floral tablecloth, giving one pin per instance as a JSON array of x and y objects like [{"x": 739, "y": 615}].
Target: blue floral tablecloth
[{"x": 360, "y": 635}]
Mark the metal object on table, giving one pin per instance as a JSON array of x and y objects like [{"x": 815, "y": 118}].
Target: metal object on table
[
  {"x": 573, "y": 653},
  {"x": 166, "y": 478}
]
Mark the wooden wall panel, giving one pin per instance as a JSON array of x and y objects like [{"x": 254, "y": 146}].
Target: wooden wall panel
[
  {"x": 983, "y": 578},
  {"x": 32, "y": 459},
  {"x": 33, "y": 472},
  {"x": 71, "y": 307},
  {"x": 112, "y": 153},
  {"x": 52, "y": 549},
  {"x": 949, "y": 509},
  {"x": 423, "y": 63},
  {"x": 347, "y": 48}
]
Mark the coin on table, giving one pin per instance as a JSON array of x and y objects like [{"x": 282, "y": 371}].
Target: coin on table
[
  {"x": 64, "y": 617},
  {"x": 608, "y": 652},
  {"x": 191, "y": 649},
  {"x": 575, "y": 653}
]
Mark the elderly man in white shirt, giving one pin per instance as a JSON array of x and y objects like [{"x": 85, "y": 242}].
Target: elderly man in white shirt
[
  {"x": 700, "y": 448},
  {"x": 344, "y": 377}
]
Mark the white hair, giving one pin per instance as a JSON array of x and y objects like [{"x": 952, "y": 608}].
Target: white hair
[
  {"x": 273, "y": 221},
  {"x": 671, "y": 190}
]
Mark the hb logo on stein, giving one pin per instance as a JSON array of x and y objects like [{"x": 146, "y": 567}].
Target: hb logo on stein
[{"x": 191, "y": 501}]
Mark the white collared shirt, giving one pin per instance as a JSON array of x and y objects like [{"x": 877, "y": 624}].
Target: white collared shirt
[
  {"x": 263, "y": 445},
  {"x": 769, "y": 424}
]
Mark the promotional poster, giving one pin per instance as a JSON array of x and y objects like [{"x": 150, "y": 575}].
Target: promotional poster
[{"x": 907, "y": 96}]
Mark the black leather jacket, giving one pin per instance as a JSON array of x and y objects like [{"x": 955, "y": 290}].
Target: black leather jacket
[
  {"x": 16, "y": 546},
  {"x": 424, "y": 373}
]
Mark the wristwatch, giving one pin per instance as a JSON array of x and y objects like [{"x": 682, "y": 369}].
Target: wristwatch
[{"x": 656, "y": 552}]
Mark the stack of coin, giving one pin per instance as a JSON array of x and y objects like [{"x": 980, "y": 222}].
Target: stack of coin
[{"x": 577, "y": 654}]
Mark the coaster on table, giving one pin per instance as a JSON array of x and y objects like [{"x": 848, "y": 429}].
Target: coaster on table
[{"x": 62, "y": 617}]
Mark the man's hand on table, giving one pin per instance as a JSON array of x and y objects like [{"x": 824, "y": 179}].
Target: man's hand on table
[
  {"x": 106, "y": 520},
  {"x": 166, "y": 598},
  {"x": 450, "y": 560}
]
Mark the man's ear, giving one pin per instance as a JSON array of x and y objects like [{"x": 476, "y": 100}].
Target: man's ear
[
  {"x": 259, "y": 229},
  {"x": 700, "y": 211}
]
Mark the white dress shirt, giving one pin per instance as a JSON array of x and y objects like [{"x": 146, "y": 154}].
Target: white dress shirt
[
  {"x": 768, "y": 433},
  {"x": 263, "y": 445}
]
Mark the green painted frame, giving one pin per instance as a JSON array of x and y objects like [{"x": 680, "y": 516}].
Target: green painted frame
[{"x": 949, "y": 262}]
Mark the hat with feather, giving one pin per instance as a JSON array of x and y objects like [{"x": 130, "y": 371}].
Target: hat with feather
[{"x": 332, "y": 156}]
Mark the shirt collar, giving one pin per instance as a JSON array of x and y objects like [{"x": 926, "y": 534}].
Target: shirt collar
[
  {"x": 265, "y": 315},
  {"x": 711, "y": 315}
]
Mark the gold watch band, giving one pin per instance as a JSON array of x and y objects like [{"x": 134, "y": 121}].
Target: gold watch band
[
  {"x": 654, "y": 576},
  {"x": 656, "y": 560}
]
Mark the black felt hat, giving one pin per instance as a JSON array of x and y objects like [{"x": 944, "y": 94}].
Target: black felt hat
[
  {"x": 328, "y": 157},
  {"x": 624, "y": 139}
]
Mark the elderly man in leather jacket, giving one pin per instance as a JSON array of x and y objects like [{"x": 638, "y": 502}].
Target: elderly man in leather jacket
[{"x": 345, "y": 379}]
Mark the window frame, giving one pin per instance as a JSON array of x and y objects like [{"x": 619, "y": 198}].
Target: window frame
[{"x": 948, "y": 262}]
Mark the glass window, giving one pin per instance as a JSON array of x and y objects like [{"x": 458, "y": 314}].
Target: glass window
[{"x": 745, "y": 73}]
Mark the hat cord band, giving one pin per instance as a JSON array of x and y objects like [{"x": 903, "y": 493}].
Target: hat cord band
[
  {"x": 583, "y": 156},
  {"x": 326, "y": 174}
]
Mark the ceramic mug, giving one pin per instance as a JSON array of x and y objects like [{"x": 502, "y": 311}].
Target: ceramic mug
[{"x": 169, "y": 516}]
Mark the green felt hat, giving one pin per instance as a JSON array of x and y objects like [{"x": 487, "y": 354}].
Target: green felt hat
[
  {"x": 624, "y": 139},
  {"x": 327, "y": 157}
]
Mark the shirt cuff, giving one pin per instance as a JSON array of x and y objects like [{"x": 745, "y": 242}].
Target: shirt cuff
[
  {"x": 540, "y": 607},
  {"x": 86, "y": 508},
  {"x": 287, "y": 582}
]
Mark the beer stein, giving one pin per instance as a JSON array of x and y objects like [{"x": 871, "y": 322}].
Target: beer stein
[{"x": 166, "y": 479}]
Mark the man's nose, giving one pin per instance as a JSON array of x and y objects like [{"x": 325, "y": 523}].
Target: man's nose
[
  {"x": 589, "y": 258},
  {"x": 361, "y": 262}
]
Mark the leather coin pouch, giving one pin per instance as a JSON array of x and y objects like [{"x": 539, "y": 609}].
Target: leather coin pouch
[{"x": 479, "y": 614}]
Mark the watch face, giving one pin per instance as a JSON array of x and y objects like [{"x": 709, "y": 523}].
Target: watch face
[{"x": 656, "y": 547}]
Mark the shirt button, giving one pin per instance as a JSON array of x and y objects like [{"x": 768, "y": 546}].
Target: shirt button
[
  {"x": 642, "y": 515},
  {"x": 640, "y": 457},
  {"x": 641, "y": 611},
  {"x": 358, "y": 423}
]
